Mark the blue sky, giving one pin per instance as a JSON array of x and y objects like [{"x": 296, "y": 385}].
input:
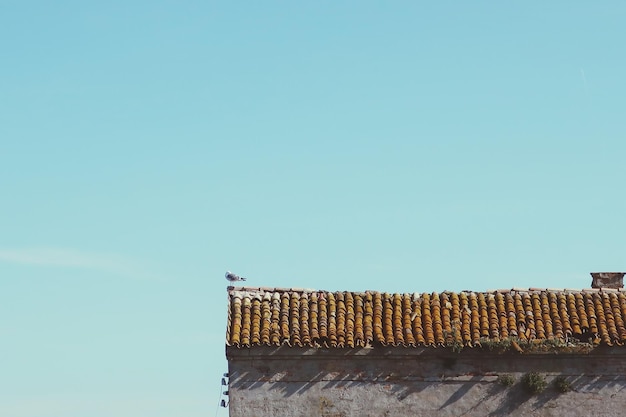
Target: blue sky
[{"x": 147, "y": 147}]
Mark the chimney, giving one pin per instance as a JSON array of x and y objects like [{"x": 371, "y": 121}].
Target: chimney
[{"x": 607, "y": 279}]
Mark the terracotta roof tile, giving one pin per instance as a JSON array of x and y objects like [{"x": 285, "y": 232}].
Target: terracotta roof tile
[{"x": 308, "y": 318}]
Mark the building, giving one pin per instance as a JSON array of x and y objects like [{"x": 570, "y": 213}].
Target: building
[{"x": 514, "y": 352}]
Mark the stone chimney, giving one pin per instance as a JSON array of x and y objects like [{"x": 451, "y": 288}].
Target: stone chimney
[{"x": 607, "y": 279}]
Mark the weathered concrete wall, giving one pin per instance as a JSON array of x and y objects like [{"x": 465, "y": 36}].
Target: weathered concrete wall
[{"x": 285, "y": 382}]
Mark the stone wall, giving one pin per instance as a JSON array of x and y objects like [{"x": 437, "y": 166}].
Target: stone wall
[{"x": 281, "y": 382}]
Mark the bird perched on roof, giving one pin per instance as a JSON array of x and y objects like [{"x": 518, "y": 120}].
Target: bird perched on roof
[{"x": 233, "y": 277}]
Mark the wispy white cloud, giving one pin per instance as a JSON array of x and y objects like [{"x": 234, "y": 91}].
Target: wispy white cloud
[
  {"x": 72, "y": 258},
  {"x": 107, "y": 403}
]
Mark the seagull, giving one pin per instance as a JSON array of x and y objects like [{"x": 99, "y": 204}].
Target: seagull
[{"x": 233, "y": 277}]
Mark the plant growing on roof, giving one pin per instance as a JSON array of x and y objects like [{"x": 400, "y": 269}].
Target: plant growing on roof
[
  {"x": 501, "y": 345},
  {"x": 534, "y": 382},
  {"x": 457, "y": 346}
]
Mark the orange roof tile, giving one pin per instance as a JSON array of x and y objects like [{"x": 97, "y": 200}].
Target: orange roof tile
[{"x": 310, "y": 318}]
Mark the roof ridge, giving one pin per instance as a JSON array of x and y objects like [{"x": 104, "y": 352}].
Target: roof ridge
[
  {"x": 273, "y": 289},
  {"x": 488, "y": 291}
]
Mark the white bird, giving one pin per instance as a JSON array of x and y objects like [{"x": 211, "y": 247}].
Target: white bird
[{"x": 233, "y": 277}]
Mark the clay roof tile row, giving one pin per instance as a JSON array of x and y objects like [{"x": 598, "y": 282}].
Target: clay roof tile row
[{"x": 309, "y": 318}]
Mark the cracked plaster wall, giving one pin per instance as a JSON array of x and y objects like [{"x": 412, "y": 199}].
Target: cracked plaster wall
[{"x": 286, "y": 382}]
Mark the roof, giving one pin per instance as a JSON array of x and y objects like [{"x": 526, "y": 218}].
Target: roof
[{"x": 517, "y": 318}]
